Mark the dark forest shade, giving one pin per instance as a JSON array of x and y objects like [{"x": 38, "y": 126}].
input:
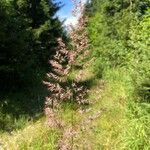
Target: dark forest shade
[{"x": 28, "y": 33}]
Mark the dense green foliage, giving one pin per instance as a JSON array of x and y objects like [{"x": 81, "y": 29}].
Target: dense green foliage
[
  {"x": 28, "y": 33},
  {"x": 117, "y": 74},
  {"x": 28, "y": 38},
  {"x": 119, "y": 36}
]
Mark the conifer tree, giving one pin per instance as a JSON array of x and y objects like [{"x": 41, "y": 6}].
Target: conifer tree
[
  {"x": 44, "y": 26},
  {"x": 13, "y": 44},
  {"x": 28, "y": 30}
]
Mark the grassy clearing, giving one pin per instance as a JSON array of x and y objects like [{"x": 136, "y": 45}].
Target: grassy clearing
[
  {"x": 17, "y": 108},
  {"x": 108, "y": 99},
  {"x": 35, "y": 136},
  {"x": 122, "y": 123},
  {"x": 112, "y": 120},
  {"x": 104, "y": 131}
]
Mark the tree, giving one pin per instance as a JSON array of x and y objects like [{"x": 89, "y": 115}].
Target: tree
[
  {"x": 13, "y": 43},
  {"x": 28, "y": 30},
  {"x": 45, "y": 27}
]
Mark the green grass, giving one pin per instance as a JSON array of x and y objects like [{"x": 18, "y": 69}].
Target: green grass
[
  {"x": 19, "y": 107},
  {"x": 122, "y": 124},
  {"x": 35, "y": 136},
  {"x": 105, "y": 130}
]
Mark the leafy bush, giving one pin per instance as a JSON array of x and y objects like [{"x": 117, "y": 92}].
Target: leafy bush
[
  {"x": 136, "y": 135},
  {"x": 120, "y": 35},
  {"x": 140, "y": 39}
]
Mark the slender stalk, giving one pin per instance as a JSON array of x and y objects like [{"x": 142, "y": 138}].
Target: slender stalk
[{"x": 72, "y": 120}]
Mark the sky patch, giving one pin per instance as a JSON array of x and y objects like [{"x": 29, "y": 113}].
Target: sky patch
[{"x": 65, "y": 13}]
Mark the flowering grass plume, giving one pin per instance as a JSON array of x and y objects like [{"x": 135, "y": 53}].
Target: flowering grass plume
[{"x": 60, "y": 89}]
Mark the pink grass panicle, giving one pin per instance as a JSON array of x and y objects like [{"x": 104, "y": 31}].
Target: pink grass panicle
[{"x": 61, "y": 64}]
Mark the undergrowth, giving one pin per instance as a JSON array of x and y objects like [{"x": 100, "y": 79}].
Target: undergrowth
[
  {"x": 117, "y": 76},
  {"x": 113, "y": 120},
  {"x": 35, "y": 136}
]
